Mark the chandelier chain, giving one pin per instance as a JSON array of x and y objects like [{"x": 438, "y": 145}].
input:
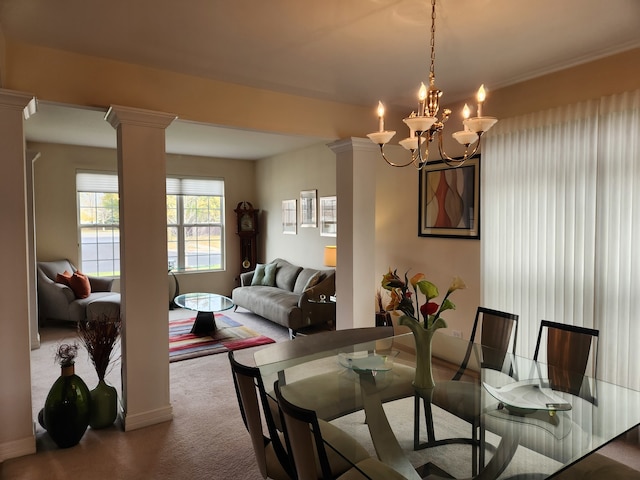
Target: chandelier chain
[{"x": 433, "y": 40}]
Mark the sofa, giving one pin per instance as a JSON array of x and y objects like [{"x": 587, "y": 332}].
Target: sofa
[
  {"x": 288, "y": 294},
  {"x": 58, "y": 301}
]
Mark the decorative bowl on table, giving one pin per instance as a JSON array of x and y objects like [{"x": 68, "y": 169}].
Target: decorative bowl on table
[
  {"x": 365, "y": 361},
  {"x": 528, "y": 396}
]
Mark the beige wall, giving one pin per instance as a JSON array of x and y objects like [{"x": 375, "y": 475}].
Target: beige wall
[
  {"x": 75, "y": 79},
  {"x": 55, "y": 203},
  {"x": 282, "y": 178}
]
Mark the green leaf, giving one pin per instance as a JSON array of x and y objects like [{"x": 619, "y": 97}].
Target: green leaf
[
  {"x": 447, "y": 305},
  {"x": 428, "y": 289}
]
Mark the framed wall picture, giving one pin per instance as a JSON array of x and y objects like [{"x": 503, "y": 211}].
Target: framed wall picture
[
  {"x": 308, "y": 209},
  {"x": 328, "y": 216},
  {"x": 289, "y": 217},
  {"x": 449, "y": 200}
]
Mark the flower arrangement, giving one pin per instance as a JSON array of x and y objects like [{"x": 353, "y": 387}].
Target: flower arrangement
[
  {"x": 428, "y": 314},
  {"x": 99, "y": 337}
]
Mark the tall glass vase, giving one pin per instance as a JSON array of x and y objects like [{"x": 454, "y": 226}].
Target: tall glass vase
[
  {"x": 104, "y": 405},
  {"x": 423, "y": 377}
]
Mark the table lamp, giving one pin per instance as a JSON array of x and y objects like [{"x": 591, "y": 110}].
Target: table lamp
[{"x": 330, "y": 255}]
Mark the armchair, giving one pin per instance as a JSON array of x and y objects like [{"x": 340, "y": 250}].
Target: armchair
[{"x": 57, "y": 301}]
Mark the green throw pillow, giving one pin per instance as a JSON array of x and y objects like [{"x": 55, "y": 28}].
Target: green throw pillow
[
  {"x": 258, "y": 275},
  {"x": 269, "y": 275},
  {"x": 264, "y": 275}
]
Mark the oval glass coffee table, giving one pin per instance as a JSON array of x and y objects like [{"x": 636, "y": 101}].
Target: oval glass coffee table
[{"x": 206, "y": 304}]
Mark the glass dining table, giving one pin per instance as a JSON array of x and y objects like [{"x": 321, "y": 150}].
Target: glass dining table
[{"x": 529, "y": 426}]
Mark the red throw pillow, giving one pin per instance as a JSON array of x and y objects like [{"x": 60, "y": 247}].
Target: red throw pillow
[
  {"x": 63, "y": 278},
  {"x": 80, "y": 285}
]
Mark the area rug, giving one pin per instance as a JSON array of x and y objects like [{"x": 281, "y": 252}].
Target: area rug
[{"x": 230, "y": 335}]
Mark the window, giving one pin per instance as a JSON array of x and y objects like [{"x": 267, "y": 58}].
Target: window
[
  {"x": 195, "y": 224},
  {"x": 195, "y": 227},
  {"x": 98, "y": 221}
]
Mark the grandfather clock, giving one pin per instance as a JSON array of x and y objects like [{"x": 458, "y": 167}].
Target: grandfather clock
[{"x": 248, "y": 231}]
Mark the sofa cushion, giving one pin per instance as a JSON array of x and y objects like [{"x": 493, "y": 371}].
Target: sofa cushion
[
  {"x": 273, "y": 303},
  {"x": 307, "y": 278},
  {"x": 64, "y": 278},
  {"x": 286, "y": 274},
  {"x": 269, "y": 279},
  {"x": 264, "y": 275},
  {"x": 258, "y": 275},
  {"x": 80, "y": 285}
]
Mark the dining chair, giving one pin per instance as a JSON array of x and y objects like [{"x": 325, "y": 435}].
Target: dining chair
[
  {"x": 258, "y": 408},
  {"x": 497, "y": 332},
  {"x": 306, "y": 440},
  {"x": 570, "y": 351}
]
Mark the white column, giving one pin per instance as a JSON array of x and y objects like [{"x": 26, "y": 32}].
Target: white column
[
  {"x": 143, "y": 264},
  {"x": 17, "y": 432},
  {"x": 356, "y": 192},
  {"x": 31, "y": 157}
]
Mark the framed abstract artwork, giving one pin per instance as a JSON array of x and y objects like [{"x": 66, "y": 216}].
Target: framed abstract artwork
[
  {"x": 328, "y": 216},
  {"x": 308, "y": 208},
  {"x": 449, "y": 200},
  {"x": 289, "y": 217}
]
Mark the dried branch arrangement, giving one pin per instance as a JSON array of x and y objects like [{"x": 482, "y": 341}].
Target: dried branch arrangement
[{"x": 99, "y": 337}]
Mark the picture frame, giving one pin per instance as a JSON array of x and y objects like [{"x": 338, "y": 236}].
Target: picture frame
[
  {"x": 328, "y": 216},
  {"x": 449, "y": 200},
  {"x": 308, "y": 209},
  {"x": 289, "y": 217}
]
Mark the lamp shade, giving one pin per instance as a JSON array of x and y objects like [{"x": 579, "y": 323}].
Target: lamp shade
[{"x": 330, "y": 255}]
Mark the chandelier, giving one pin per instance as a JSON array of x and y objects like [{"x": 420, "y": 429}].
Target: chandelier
[{"x": 424, "y": 124}]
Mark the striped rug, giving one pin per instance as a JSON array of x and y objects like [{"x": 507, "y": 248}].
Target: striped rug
[{"x": 230, "y": 335}]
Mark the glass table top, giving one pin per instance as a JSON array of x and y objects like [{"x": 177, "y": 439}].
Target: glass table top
[
  {"x": 531, "y": 427},
  {"x": 204, "y": 302}
]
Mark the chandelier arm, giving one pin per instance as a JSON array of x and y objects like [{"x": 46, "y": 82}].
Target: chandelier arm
[
  {"x": 420, "y": 160},
  {"x": 396, "y": 164},
  {"x": 457, "y": 161}
]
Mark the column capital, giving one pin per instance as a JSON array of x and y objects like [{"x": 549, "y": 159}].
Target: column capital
[
  {"x": 353, "y": 143},
  {"x": 18, "y": 101},
  {"x": 118, "y": 115}
]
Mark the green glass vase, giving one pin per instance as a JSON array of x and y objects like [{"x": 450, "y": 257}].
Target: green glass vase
[
  {"x": 423, "y": 376},
  {"x": 104, "y": 405},
  {"x": 67, "y": 408}
]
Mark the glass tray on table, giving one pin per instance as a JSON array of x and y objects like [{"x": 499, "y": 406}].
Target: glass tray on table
[{"x": 368, "y": 361}]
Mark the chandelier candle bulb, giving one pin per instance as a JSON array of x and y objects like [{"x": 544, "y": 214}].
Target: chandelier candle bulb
[
  {"x": 481, "y": 96},
  {"x": 380, "y": 117},
  {"x": 422, "y": 96},
  {"x": 466, "y": 112}
]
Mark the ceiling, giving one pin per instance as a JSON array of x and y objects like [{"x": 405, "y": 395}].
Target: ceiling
[{"x": 343, "y": 50}]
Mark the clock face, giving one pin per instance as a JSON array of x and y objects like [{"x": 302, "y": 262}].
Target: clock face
[
  {"x": 246, "y": 222},
  {"x": 246, "y": 263}
]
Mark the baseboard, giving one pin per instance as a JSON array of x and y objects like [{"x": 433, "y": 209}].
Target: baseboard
[
  {"x": 145, "y": 419},
  {"x": 17, "y": 448}
]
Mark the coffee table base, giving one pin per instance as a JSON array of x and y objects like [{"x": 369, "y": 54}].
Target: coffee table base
[{"x": 205, "y": 324}]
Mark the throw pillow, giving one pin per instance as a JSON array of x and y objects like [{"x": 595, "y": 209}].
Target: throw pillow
[
  {"x": 313, "y": 280},
  {"x": 80, "y": 285},
  {"x": 63, "y": 278},
  {"x": 258, "y": 275},
  {"x": 269, "y": 279}
]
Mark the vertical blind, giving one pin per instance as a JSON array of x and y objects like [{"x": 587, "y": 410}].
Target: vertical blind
[{"x": 561, "y": 217}]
